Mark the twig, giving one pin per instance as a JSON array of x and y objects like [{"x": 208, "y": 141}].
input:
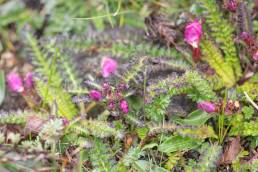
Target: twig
[{"x": 251, "y": 101}]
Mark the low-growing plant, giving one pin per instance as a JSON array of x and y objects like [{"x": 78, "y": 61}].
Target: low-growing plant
[{"x": 126, "y": 111}]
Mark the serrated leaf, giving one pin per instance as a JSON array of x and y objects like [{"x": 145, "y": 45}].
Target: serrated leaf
[
  {"x": 142, "y": 132},
  {"x": 2, "y": 86},
  {"x": 172, "y": 160},
  {"x": 178, "y": 143},
  {"x": 150, "y": 146},
  {"x": 202, "y": 132},
  {"x": 196, "y": 118},
  {"x": 143, "y": 166},
  {"x": 248, "y": 111}
]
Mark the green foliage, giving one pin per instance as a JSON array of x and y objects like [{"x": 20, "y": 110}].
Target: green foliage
[
  {"x": 155, "y": 129},
  {"x": 222, "y": 31},
  {"x": 52, "y": 92},
  {"x": 250, "y": 87},
  {"x": 143, "y": 165},
  {"x": 100, "y": 156},
  {"x": 53, "y": 95},
  {"x": 215, "y": 81},
  {"x": 133, "y": 154},
  {"x": 2, "y": 138},
  {"x": 209, "y": 156},
  {"x": 134, "y": 71},
  {"x": 69, "y": 70},
  {"x": 200, "y": 89},
  {"x": 127, "y": 50},
  {"x": 196, "y": 118},
  {"x": 173, "y": 159},
  {"x": 243, "y": 128},
  {"x": 157, "y": 109},
  {"x": 46, "y": 66},
  {"x": 52, "y": 131},
  {"x": 142, "y": 132},
  {"x": 248, "y": 112},
  {"x": 178, "y": 143},
  {"x": 146, "y": 139},
  {"x": 191, "y": 83},
  {"x": 96, "y": 128},
  {"x": 201, "y": 133},
  {"x": 34, "y": 145},
  {"x": 215, "y": 59},
  {"x": 2, "y": 86},
  {"x": 14, "y": 11},
  {"x": 17, "y": 117}
]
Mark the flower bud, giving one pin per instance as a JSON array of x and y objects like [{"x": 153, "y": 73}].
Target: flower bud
[
  {"x": 207, "y": 106},
  {"x": 124, "y": 106},
  {"x": 95, "y": 95}
]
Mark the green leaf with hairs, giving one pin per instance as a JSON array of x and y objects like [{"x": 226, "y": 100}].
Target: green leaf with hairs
[
  {"x": 142, "y": 166},
  {"x": 178, "y": 143},
  {"x": 196, "y": 118}
]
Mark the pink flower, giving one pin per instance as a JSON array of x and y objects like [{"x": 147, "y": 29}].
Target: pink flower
[
  {"x": 207, "y": 106},
  {"x": 15, "y": 82},
  {"x": 95, "y": 95},
  {"x": 108, "y": 66},
  {"x": 28, "y": 80},
  {"x": 193, "y": 33},
  {"x": 111, "y": 105},
  {"x": 247, "y": 38},
  {"x": 231, "y": 5},
  {"x": 124, "y": 106}
]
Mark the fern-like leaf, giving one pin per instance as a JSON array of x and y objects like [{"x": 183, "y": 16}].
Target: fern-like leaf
[
  {"x": 52, "y": 95},
  {"x": 222, "y": 31},
  {"x": 213, "y": 56}
]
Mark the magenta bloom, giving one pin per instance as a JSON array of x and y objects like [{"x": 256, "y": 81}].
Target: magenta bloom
[
  {"x": 108, "y": 66},
  {"x": 111, "y": 105},
  {"x": 247, "y": 38},
  {"x": 193, "y": 33},
  {"x": 207, "y": 106},
  {"x": 124, "y": 106},
  {"x": 28, "y": 80},
  {"x": 95, "y": 95},
  {"x": 14, "y": 82},
  {"x": 231, "y": 5}
]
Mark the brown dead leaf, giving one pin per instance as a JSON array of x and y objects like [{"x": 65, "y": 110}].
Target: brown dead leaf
[
  {"x": 231, "y": 151},
  {"x": 8, "y": 60}
]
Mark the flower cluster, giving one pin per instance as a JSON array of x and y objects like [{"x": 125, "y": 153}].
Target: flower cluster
[
  {"x": 17, "y": 84},
  {"x": 210, "y": 107},
  {"x": 231, "y": 5},
  {"x": 113, "y": 96},
  {"x": 250, "y": 42}
]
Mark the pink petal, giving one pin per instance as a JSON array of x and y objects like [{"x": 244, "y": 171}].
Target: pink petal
[
  {"x": 108, "y": 66},
  {"x": 14, "y": 82},
  {"x": 124, "y": 106},
  {"x": 95, "y": 95},
  {"x": 193, "y": 33}
]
